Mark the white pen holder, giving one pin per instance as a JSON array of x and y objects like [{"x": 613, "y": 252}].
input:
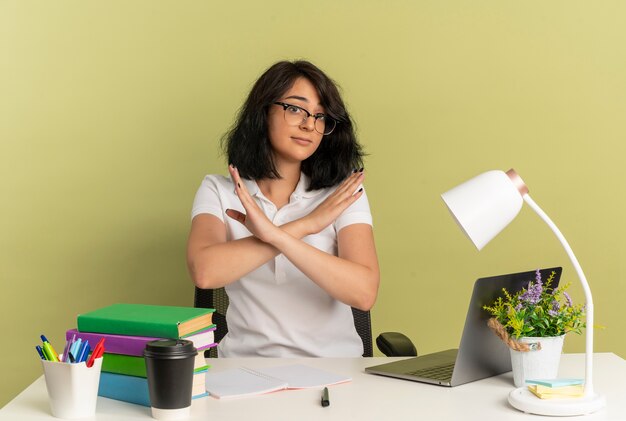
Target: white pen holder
[{"x": 72, "y": 388}]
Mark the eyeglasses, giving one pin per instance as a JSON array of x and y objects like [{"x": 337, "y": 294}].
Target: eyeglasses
[{"x": 295, "y": 116}]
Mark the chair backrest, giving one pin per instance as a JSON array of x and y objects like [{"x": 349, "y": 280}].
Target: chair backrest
[{"x": 217, "y": 299}]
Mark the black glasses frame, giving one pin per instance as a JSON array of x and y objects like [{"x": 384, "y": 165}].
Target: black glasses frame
[{"x": 328, "y": 119}]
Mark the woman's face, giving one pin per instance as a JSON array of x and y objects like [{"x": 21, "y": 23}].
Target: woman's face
[{"x": 295, "y": 143}]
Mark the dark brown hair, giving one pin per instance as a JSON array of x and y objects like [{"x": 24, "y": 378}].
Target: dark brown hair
[{"x": 247, "y": 144}]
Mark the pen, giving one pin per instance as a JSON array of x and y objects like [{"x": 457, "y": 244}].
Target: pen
[
  {"x": 85, "y": 354},
  {"x": 84, "y": 349},
  {"x": 53, "y": 353},
  {"x": 68, "y": 345},
  {"x": 46, "y": 353},
  {"x": 40, "y": 351},
  {"x": 97, "y": 352},
  {"x": 75, "y": 347},
  {"x": 325, "y": 398}
]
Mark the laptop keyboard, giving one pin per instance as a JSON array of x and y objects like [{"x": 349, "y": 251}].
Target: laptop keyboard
[{"x": 440, "y": 372}]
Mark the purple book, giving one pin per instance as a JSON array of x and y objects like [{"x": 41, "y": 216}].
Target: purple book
[{"x": 134, "y": 345}]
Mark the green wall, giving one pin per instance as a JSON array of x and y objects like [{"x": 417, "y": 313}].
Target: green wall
[{"x": 110, "y": 115}]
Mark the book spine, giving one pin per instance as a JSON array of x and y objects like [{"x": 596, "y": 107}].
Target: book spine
[
  {"x": 135, "y": 366},
  {"x": 135, "y": 389},
  {"x": 124, "y": 364},
  {"x": 129, "y": 345},
  {"x": 87, "y": 323},
  {"x": 124, "y": 388},
  {"x": 115, "y": 344}
]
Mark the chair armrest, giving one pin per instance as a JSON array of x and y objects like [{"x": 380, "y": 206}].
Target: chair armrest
[{"x": 395, "y": 344}]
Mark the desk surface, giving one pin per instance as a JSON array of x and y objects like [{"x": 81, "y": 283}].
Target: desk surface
[{"x": 367, "y": 397}]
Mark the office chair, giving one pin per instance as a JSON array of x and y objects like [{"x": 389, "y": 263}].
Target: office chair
[{"x": 392, "y": 344}]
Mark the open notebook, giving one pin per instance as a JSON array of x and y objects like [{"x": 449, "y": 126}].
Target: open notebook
[{"x": 240, "y": 382}]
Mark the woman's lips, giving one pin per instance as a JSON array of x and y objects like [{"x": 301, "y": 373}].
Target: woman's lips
[{"x": 302, "y": 141}]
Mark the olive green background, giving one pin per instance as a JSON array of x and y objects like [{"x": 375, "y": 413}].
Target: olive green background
[{"x": 111, "y": 114}]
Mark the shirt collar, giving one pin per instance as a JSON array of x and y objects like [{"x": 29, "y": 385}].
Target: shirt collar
[
  {"x": 299, "y": 192},
  {"x": 301, "y": 187}
]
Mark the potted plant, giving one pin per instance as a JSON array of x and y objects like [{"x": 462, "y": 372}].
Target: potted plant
[{"x": 533, "y": 323}]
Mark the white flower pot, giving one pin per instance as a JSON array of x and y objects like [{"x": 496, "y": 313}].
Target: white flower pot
[{"x": 541, "y": 364}]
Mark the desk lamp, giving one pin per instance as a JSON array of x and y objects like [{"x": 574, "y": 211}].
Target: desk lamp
[{"x": 483, "y": 206}]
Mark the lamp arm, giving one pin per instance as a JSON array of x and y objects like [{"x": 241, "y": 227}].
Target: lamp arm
[{"x": 587, "y": 290}]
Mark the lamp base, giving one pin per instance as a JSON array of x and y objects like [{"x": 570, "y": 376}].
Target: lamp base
[{"x": 524, "y": 400}]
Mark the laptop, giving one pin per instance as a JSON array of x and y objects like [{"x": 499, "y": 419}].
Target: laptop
[{"x": 481, "y": 353}]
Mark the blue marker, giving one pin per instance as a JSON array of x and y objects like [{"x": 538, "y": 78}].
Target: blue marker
[
  {"x": 40, "y": 351},
  {"x": 82, "y": 356},
  {"x": 86, "y": 352},
  {"x": 75, "y": 347}
]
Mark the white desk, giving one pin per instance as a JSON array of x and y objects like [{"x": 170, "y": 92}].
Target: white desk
[{"x": 367, "y": 397}]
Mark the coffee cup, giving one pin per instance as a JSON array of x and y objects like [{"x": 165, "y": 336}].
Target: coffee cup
[{"x": 169, "y": 369}]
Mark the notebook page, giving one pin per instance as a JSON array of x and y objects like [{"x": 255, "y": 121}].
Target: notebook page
[
  {"x": 239, "y": 382},
  {"x": 299, "y": 376}
]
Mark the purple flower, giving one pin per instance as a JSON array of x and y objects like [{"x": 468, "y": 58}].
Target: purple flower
[
  {"x": 538, "y": 276},
  {"x": 518, "y": 307},
  {"x": 554, "y": 311},
  {"x": 533, "y": 294},
  {"x": 568, "y": 298}
]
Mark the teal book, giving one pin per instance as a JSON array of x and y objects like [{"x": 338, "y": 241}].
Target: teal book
[
  {"x": 146, "y": 320},
  {"x": 124, "y": 388},
  {"x": 135, "y": 389}
]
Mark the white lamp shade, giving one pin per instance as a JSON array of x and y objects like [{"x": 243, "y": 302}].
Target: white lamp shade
[{"x": 484, "y": 205}]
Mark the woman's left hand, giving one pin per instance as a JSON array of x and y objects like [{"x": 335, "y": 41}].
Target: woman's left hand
[{"x": 254, "y": 219}]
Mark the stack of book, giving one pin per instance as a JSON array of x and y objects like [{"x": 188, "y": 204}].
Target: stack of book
[{"x": 127, "y": 328}]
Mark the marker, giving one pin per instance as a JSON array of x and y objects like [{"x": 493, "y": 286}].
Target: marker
[
  {"x": 66, "y": 350},
  {"x": 75, "y": 347},
  {"x": 81, "y": 352},
  {"x": 97, "y": 352},
  {"x": 40, "y": 351},
  {"x": 325, "y": 398},
  {"x": 49, "y": 352},
  {"x": 52, "y": 351},
  {"x": 86, "y": 351}
]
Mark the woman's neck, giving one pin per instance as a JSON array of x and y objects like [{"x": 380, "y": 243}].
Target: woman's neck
[{"x": 279, "y": 190}]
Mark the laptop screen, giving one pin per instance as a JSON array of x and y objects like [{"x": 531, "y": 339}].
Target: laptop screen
[{"x": 481, "y": 352}]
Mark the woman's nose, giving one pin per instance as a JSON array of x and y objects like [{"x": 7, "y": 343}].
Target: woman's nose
[{"x": 308, "y": 123}]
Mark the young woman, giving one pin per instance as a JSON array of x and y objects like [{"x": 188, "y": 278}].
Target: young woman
[{"x": 289, "y": 233}]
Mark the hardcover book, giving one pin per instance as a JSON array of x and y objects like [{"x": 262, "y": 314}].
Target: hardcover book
[
  {"x": 134, "y": 345},
  {"x": 135, "y": 389},
  {"x": 146, "y": 320},
  {"x": 131, "y": 365}
]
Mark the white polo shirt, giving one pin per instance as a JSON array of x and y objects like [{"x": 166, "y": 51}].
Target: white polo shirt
[{"x": 276, "y": 310}]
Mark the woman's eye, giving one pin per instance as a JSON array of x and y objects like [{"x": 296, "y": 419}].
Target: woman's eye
[
  {"x": 293, "y": 109},
  {"x": 320, "y": 117}
]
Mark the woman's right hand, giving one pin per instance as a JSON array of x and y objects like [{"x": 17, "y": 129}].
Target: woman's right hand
[{"x": 330, "y": 209}]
